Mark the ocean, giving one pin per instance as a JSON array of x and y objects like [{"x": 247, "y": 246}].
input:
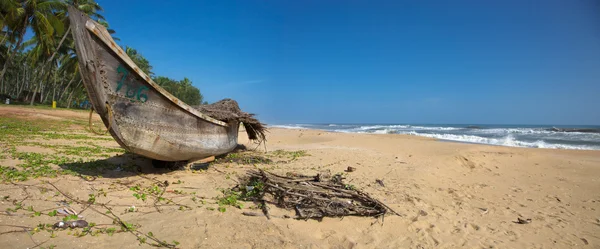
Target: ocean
[{"x": 532, "y": 136}]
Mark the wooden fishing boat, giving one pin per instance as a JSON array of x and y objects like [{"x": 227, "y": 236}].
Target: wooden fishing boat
[{"x": 142, "y": 117}]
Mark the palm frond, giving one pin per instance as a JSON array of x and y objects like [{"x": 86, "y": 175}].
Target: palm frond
[
  {"x": 7, "y": 5},
  {"x": 31, "y": 42},
  {"x": 41, "y": 26},
  {"x": 57, "y": 24},
  {"x": 97, "y": 16},
  {"x": 49, "y": 6}
]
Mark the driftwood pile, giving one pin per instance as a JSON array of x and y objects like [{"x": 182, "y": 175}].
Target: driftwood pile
[{"x": 315, "y": 197}]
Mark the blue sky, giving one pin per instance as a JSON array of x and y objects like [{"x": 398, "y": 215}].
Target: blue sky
[{"x": 479, "y": 62}]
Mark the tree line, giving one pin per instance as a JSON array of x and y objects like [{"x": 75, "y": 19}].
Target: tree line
[{"x": 44, "y": 68}]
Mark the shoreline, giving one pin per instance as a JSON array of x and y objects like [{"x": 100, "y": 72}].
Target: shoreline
[{"x": 434, "y": 138}]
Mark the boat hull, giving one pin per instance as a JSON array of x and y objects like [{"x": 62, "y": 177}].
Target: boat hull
[{"x": 141, "y": 116}]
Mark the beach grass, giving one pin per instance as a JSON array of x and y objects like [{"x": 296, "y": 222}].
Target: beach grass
[{"x": 49, "y": 148}]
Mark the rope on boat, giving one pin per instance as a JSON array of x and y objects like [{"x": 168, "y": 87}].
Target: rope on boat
[{"x": 110, "y": 117}]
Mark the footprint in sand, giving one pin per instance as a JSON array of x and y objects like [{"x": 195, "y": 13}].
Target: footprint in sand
[{"x": 465, "y": 162}]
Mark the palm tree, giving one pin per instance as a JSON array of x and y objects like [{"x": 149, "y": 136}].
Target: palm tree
[
  {"x": 45, "y": 50},
  {"x": 8, "y": 10},
  {"x": 48, "y": 46},
  {"x": 39, "y": 15},
  {"x": 46, "y": 64}
]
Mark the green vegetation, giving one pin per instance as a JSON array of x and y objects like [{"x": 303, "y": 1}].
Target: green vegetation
[
  {"x": 349, "y": 187},
  {"x": 182, "y": 89},
  {"x": 251, "y": 192},
  {"x": 244, "y": 158},
  {"x": 71, "y": 217},
  {"x": 45, "y": 67},
  {"x": 230, "y": 198},
  {"x": 119, "y": 225},
  {"x": 66, "y": 159},
  {"x": 291, "y": 155},
  {"x": 50, "y": 148},
  {"x": 155, "y": 194}
]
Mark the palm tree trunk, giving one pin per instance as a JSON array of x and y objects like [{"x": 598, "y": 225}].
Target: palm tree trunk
[
  {"x": 46, "y": 97},
  {"x": 42, "y": 87},
  {"x": 69, "y": 99},
  {"x": 60, "y": 43},
  {"x": 22, "y": 83},
  {"x": 2, "y": 87},
  {"x": 54, "y": 87},
  {"x": 54, "y": 91},
  {"x": 66, "y": 88},
  {"x": 33, "y": 95},
  {"x": 55, "y": 50},
  {"x": 2, "y": 84},
  {"x": 71, "y": 94},
  {"x": 38, "y": 87},
  {"x": 47, "y": 88},
  {"x": 16, "y": 87},
  {"x": 17, "y": 46}
]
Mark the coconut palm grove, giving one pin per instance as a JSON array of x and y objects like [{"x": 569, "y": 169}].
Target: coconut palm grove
[{"x": 38, "y": 59}]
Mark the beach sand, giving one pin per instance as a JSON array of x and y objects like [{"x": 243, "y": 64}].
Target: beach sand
[{"x": 450, "y": 195}]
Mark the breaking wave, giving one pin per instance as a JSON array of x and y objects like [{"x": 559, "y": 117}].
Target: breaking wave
[
  {"x": 508, "y": 140},
  {"x": 515, "y": 136}
]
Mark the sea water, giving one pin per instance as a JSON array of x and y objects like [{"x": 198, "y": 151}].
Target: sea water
[{"x": 532, "y": 136}]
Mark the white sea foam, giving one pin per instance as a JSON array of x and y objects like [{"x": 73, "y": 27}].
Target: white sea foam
[
  {"x": 515, "y": 137},
  {"x": 287, "y": 126},
  {"x": 516, "y": 131},
  {"x": 377, "y": 127},
  {"x": 434, "y": 128},
  {"x": 508, "y": 140},
  {"x": 386, "y": 131}
]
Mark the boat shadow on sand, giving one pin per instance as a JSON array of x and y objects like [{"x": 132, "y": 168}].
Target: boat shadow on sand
[
  {"x": 120, "y": 166},
  {"x": 128, "y": 164}
]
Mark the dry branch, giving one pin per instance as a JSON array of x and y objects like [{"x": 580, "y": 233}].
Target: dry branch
[{"x": 315, "y": 197}]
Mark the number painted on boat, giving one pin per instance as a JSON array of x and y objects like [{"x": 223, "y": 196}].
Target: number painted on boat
[
  {"x": 141, "y": 95},
  {"x": 124, "y": 71},
  {"x": 132, "y": 92}
]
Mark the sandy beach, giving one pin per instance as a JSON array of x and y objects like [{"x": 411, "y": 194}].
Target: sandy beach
[{"x": 450, "y": 195}]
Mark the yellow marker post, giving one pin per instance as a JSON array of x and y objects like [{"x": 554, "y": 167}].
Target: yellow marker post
[{"x": 54, "y": 104}]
